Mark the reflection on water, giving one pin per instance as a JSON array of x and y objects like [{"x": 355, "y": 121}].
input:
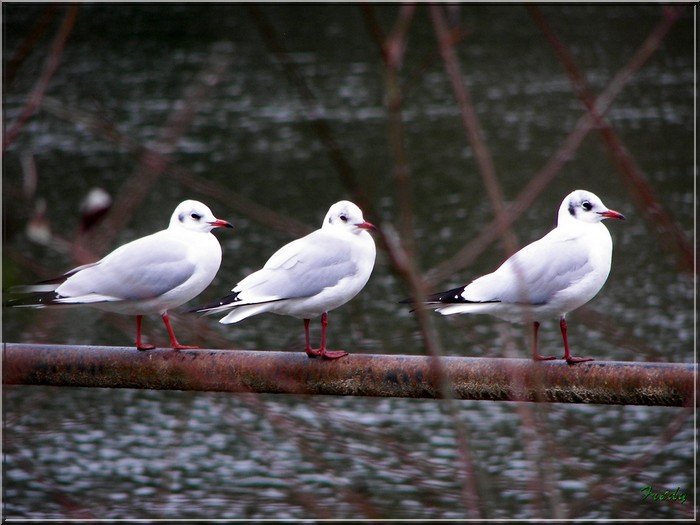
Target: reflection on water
[
  {"x": 174, "y": 454},
  {"x": 132, "y": 454}
]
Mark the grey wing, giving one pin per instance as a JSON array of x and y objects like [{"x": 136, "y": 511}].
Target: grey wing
[
  {"x": 136, "y": 271},
  {"x": 533, "y": 275},
  {"x": 302, "y": 268}
]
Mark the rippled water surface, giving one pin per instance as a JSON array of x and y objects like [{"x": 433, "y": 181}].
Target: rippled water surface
[{"x": 253, "y": 133}]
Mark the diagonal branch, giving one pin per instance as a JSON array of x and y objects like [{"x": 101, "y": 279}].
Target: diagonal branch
[
  {"x": 566, "y": 151},
  {"x": 668, "y": 231},
  {"x": 154, "y": 161},
  {"x": 320, "y": 124},
  {"x": 50, "y": 67},
  {"x": 472, "y": 127}
]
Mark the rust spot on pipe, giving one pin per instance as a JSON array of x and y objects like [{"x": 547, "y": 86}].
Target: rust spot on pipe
[{"x": 495, "y": 379}]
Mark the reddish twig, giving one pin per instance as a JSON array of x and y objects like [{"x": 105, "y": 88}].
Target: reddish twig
[
  {"x": 660, "y": 220},
  {"x": 28, "y": 44},
  {"x": 573, "y": 141},
  {"x": 154, "y": 162},
  {"x": 472, "y": 127},
  {"x": 243, "y": 205},
  {"x": 51, "y": 65},
  {"x": 320, "y": 124}
]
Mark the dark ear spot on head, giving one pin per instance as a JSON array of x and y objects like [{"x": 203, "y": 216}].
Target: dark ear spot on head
[
  {"x": 572, "y": 208},
  {"x": 181, "y": 217}
]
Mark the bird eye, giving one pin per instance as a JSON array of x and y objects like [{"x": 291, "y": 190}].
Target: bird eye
[
  {"x": 196, "y": 216},
  {"x": 344, "y": 218},
  {"x": 586, "y": 205}
]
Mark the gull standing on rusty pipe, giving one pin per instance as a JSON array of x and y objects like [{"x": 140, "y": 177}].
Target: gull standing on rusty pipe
[
  {"x": 547, "y": 278},
  {"x": 309, "y": 276},
  {"x": 150, "y": 275}
]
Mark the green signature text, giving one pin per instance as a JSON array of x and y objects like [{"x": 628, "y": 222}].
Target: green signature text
[{"x": 648, "y": 493}]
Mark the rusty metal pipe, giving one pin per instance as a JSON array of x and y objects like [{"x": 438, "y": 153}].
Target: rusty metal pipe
[{"x": 496, "y": 379}]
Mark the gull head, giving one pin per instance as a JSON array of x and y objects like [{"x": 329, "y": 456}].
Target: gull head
[
  {"x": 584, "y": 206},
  {"x": 196, "y": 216},
  {"x": 345, "y": 215}
]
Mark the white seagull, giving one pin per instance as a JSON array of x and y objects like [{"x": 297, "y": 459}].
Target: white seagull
[
  {"x": 547, "y": 278},
  {"x": 309, "y": 276},
  {"x": 149, "y": 275}
]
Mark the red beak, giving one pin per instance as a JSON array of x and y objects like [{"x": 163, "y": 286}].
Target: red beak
[
  {"x": 366, "y": 226},
  {"x": 218, "y": 223},
  {"x": 612, "y": 214}
]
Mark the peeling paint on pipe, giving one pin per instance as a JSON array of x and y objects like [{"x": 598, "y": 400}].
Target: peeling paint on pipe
[{"x": 476, "y": 378}]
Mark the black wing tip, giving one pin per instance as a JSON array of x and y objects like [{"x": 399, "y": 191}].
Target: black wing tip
[
  {"x": 33, "y": 299},
  {"x": 449, "y": 296},
  {"x": 203, "y": 309}
]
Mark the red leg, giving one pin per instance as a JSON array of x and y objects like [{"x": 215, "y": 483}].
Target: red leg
[
  {"x": 325, "y": 353},
  {"x": 173, "y": 340},
  {"x": 567, "y": 354},
  {"x": 139, "y": 344},
  {"x": 535, "y": 354},
  {"x": 322, "y": 352},
  {"x": 309, "y": 351}
]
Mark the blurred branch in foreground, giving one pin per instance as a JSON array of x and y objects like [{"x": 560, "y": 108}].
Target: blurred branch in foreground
[
  {"x": 154, "y": 161},
  {"x": 243, "y": 205},
  {"x": 672, "y": 237},
  {"x": 53, "y": 60},
  {"x": 27, "y": 45},
  {"x": 473, "y": 128},
  {"x": 275, "y": 44},
  {"x": 585, "y": 124}
]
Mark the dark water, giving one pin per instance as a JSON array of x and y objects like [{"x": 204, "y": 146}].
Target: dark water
[{"x": 148, "y": 454}]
